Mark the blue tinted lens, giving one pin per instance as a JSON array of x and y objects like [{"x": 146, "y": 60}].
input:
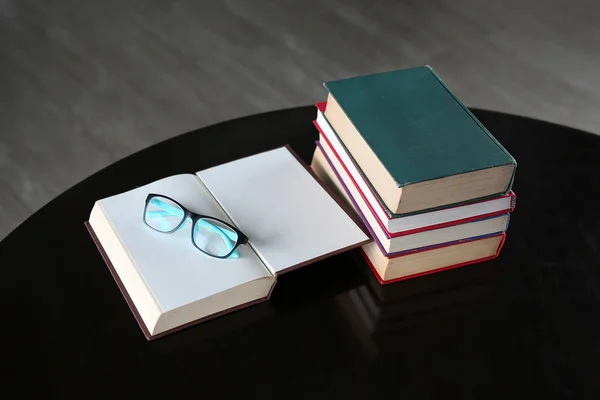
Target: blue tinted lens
[
  {"x": 163, "y": 214},
  {"x": 215, "y": 237}
]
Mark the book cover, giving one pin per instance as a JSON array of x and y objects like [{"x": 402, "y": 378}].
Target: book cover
[
  {"x": 289, "y": 217},
  {"x": 408, "y": 129},
  {"x": 417, "y": 127},
  {"x": 399, "y": 224}
]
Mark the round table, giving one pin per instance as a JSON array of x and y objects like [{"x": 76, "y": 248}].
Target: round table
[{"x": 525, "y": 324}]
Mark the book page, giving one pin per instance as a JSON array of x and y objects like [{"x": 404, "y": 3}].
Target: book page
[
  {"x": 289, "y": 218},
  {"x": 174, "y": 270}
]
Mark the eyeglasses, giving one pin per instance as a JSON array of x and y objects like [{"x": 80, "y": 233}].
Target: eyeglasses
[{"x": 210, "y": 235}]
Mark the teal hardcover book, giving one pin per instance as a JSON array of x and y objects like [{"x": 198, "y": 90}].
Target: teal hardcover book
[{"x": 417, "y": 143}]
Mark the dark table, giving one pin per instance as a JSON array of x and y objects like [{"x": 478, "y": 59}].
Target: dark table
[{"x": 524, "y": 325}]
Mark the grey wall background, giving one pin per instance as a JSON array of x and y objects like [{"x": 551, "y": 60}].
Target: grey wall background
[{"x": 83, "y": 83}]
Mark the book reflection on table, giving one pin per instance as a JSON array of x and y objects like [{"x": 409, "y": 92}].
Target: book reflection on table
[
  {"x": 415, "y": 314},
  {"x": 226, "y": 328}
]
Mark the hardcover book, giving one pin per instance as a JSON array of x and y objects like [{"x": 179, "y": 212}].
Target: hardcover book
[
  {"x": 418, "y": 144},
  {"x": 401, "y": 244},
  {"x": 289, "y": 218},
  {"x": 396, "y": 224},
  {"x": 416, "y": 262}
]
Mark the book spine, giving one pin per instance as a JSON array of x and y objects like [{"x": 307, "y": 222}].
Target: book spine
[{"x": 513, "y": 201}]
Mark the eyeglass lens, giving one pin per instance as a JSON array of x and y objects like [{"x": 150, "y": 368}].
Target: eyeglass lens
[
  {"x": 163, "y": 214},
  {"x": 214, "y": 237}
]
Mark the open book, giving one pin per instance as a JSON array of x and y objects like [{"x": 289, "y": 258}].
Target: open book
[{"x": 289, "y": 217}]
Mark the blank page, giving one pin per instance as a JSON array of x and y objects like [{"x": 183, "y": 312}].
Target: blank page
[
  {"x": 175, "y": 271},
  {"x": 289, "y": 218}
]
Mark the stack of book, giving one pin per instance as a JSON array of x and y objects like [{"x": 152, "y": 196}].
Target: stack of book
[{"x": 431, "y": 184}]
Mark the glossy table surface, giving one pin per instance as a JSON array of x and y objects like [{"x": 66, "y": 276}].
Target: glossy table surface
[{"x": 525, "y": 324}]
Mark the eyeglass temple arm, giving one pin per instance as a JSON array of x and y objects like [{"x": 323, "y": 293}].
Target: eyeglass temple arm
[{"x": 168, "y": 209}]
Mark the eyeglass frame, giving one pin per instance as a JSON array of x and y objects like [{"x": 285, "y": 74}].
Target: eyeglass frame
[{"x": 194, "y": 217}]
